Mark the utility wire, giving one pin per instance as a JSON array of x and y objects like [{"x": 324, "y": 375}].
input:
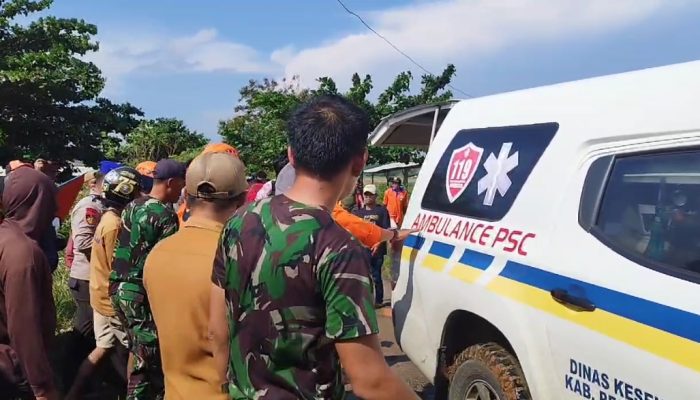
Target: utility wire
[{"x": 409, "y": 58}]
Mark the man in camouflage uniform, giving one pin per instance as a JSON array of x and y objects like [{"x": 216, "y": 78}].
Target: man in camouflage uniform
[
  {"x": 292, "y": 297},
  {"x": 145, "y": 222}
]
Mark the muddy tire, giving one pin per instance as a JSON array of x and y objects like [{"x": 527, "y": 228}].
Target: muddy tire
[{"x": 487, "y": 372}]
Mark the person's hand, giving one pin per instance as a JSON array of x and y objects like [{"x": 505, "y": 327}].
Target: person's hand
[
  {"x": 403, "y": 234},
  {"x": 396, "y": 235},
  {"x": 376, "y": 248}
]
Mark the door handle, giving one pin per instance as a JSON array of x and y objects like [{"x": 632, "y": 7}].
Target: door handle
[{"x": 577, "y": 303}]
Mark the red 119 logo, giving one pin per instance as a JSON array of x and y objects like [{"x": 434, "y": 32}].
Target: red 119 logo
[{"x": 461, "y": 169}]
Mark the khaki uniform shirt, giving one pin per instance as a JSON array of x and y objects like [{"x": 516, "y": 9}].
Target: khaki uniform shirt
[
  {"x": 101, "y": 262},
  {"x": 177, "y": 279}
]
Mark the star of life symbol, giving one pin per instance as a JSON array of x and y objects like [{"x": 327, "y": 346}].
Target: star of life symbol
[
  {"x": 462, "y": 167},
  {"x": 497, "y": 169}
]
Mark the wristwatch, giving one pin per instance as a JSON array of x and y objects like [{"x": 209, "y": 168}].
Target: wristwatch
[{"x": 396, "y": 235}]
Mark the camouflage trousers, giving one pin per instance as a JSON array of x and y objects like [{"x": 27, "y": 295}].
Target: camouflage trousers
[{"x": 146, "y": 381}]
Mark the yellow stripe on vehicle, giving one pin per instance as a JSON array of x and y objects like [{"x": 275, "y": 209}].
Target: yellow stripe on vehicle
[
  {"x": 435, "y": 263},
  {"x": 465, "y": 273},
  {"x": 663, "y": 344}
]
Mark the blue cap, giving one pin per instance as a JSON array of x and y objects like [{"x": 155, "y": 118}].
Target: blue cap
[
  {"x": 106, "y": 166},
  {"x": 169, "y": 169}
]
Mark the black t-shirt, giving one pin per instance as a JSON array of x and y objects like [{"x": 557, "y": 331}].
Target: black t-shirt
[{"x": 379, "y": 216}]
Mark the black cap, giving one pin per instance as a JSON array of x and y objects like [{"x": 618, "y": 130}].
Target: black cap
[{"x": 169, "y": 169}]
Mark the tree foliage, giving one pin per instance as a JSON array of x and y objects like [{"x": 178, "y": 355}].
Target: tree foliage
[
  {"x": 49, "y": 96},
  {"x": 258, "y": 128},
  {"x": 160, "y": 138}
]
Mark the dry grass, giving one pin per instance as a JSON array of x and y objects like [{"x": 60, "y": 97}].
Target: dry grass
[{"x": 65, "y": 306}]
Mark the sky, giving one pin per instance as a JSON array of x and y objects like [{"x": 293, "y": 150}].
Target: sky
[{"x": 188, "y": 59}]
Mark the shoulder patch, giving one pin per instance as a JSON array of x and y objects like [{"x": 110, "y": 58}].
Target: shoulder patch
[{"x": 92, "y": 216}]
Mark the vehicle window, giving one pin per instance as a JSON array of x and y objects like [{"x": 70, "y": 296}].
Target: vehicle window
[
  {"x": 482, "y": 171},
  {"x": 651, "y": 208}
]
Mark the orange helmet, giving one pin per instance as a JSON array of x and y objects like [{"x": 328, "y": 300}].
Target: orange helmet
[
  {"x": 220, "y": 148},
  {"x": 146, "y": 168}
]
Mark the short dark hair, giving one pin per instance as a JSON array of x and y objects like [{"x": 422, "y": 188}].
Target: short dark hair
[
  {"x": 280, "y": 162},
  {"x": 261, "y": 176},
  {"x": 325, "y": 134}
]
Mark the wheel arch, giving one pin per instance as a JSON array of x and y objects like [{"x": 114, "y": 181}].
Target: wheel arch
[{"x": 463, "y": 329}]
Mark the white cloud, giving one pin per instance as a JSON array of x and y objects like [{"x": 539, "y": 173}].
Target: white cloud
[
  {"x": 458, "y": 31},
  {"x": 205, "y": 52},
  {"x": 284, "y": 55},
  {"x": 148, "y": 51},
  {"x": 432, "y": 32}
]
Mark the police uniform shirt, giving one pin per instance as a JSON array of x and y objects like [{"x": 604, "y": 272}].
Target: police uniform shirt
[{"x": 84, "y": 219}]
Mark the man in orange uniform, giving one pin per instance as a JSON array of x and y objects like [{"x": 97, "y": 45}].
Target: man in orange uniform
[
  {"x": 369, "y": 234},
  {"x": 396, "y": 201}
]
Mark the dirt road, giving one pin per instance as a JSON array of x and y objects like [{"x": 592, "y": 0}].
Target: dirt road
[{"x": 398, "y": 361}]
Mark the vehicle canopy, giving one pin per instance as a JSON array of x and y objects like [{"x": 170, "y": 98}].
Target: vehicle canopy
[{"x": 611, "y": 106}]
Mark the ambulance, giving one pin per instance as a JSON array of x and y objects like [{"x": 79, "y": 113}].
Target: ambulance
[{"x": 557, "y": 245}]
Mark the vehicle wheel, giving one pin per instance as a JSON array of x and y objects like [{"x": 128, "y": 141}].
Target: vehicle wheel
[{"x": 487, "y": 372}]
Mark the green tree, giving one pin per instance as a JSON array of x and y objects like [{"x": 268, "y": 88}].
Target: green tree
[
  {"x": 160, "y": 138},
  {"x": 49, "y": 96},
  {"x": 258, "y": 129},
  {"x": 189, "y": 154}
]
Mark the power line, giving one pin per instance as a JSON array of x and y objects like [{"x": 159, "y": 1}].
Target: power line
[{"x": 409, "y": 58}]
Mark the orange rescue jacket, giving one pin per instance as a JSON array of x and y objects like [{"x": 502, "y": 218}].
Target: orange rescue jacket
[
  {"x": 367, "y": 233},
  {"x": 396, "y": 203}
]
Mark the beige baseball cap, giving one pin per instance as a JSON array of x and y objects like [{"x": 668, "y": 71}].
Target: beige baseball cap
[
  {"x": 370, "y": 189},
  {"x": 216, "y": 176}
]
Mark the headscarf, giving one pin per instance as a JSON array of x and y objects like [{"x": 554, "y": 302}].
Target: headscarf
[{"x": 29, "y": 199}]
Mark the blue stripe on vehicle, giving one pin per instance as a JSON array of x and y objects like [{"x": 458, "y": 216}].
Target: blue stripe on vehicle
[
  {"x": 678, "y": 322},
  {"x": 440, "y": 249},
  {"x": 414, "y": 242},
  {"x": 476, "y": 259}
]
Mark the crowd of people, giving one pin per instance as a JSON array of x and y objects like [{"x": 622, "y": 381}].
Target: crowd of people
[{"x": 220, "y": 286}]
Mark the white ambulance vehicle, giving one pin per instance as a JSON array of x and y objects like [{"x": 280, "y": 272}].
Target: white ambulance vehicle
[{"x": 558, "y": 247}]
